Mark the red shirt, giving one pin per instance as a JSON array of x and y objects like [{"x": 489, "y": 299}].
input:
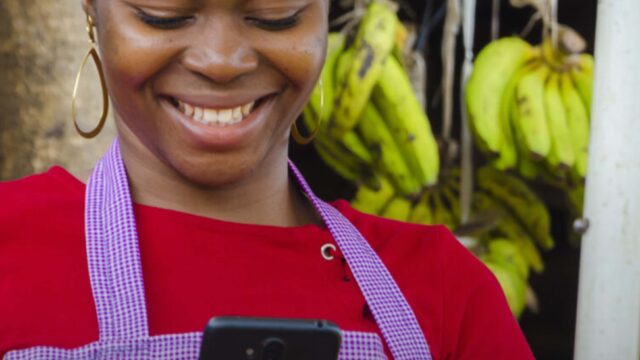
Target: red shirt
[{"x": 195, "y": 268}]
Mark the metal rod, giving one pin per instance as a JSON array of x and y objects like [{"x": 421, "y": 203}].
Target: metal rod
[{"x": 608, "y": 316}]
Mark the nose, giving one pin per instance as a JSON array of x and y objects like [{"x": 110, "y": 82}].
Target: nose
[{"x": 220, "y": 53}]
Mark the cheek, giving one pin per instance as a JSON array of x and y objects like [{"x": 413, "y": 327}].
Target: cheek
[{"x": 132, "y": 54}]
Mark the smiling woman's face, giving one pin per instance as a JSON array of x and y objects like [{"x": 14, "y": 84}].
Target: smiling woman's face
[{"x": 210, "y": 88}]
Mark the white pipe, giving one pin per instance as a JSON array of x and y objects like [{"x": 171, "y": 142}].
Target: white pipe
[{"x": 608, "y": 319}]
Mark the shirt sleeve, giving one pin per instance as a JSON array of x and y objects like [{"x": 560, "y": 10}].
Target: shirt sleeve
[{"x": 478, "y": 323}]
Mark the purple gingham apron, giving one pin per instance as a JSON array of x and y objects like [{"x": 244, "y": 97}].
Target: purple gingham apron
[{"x": 117, "y": 285}]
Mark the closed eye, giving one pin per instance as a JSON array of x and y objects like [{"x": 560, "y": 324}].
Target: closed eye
[
  {"x": 164, "y": 23},
  {"x": 276, "y": 24}
]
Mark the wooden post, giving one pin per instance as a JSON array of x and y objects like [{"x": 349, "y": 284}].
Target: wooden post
[
  {"x": 608, "y": 319},
  {"x": 41, "y": 46}
]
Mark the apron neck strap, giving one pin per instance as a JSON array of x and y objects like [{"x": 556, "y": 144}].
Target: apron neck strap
[
  {"x": 393, "y": 315},
  {"x": 116, "y": 273}
]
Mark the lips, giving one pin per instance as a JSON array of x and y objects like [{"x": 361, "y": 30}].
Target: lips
[{"x": 218, "y": 124}]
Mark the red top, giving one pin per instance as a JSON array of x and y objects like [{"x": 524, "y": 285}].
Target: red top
[{"x": 195, "y": 268}]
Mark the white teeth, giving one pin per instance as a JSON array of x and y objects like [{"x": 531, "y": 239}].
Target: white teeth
[
  {"x": 212, "y": 116},
  {"x": 188, "y": 109},
  {"x": 246, "y": 109},
  {"x": 198, "y": 112},
  {"x": 237, "y": 114},
  {"x": 224, "y": 116}
]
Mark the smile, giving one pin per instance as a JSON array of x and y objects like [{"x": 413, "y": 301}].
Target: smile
[{"x": 219, "y": 116}]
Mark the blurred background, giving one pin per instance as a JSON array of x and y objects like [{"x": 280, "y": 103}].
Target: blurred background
[{"x": 42, "y": 43}]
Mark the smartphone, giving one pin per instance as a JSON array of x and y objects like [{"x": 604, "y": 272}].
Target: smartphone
[{"x": 242, "y": 338}]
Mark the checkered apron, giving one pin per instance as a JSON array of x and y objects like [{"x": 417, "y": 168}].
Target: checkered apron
[{"x": 118, "y": 291}]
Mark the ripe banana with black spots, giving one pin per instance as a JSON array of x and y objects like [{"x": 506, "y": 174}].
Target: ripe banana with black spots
[
  {"x": 372, "y": 47},
  {"x": 385, "y": 151}
]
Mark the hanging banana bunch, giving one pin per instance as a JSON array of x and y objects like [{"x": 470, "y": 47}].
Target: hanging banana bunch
[
  {"x": 529, "y": 106},
  {"x": 374, "y": 130}
]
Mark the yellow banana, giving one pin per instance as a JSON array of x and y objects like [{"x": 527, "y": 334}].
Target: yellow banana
[
  {"x": 583, "y": 78},
  {"x": 495, "y": 65},
  {"x": 372, "y": 201},
  {"x": 561, "y": 156},
  {"x": 372, "y": 46},
  {"x": 398, "y": 208},
  {"x": 578, "y": 122},
  {"x": 407, "y": 122},
  {"x": 531, "y": 118},
  {"x": 385, "y": 151},
  {"x": 518, "y": 198},
  {"x": 508, "y": 227}
]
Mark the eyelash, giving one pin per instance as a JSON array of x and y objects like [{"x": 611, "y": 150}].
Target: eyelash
[{"x": 176, "y": 22}]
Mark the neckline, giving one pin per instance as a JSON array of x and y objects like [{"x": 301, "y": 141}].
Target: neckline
[{"x": 78, "y": 186}]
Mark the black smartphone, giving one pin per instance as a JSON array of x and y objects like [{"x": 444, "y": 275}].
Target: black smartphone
[{"x": 242, "y": 338}]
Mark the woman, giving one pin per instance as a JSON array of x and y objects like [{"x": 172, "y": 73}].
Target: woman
[{"x": 195, "y": 212}]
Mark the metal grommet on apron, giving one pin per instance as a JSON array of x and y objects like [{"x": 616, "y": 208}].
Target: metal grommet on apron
[
  {"x": 327, "y": 251},
  {"x": 117, "y": 285}
]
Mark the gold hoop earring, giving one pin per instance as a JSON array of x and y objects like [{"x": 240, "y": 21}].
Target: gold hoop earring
[
  {"x": 295, "y": 133},
  {"x": 93, "y": 53}
]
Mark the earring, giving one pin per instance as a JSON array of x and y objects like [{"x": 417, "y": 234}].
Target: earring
[
  {"x": 93, "y": 53},
  {"x": 295, "y": 133}
]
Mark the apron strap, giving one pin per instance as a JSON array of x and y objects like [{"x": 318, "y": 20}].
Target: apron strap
[
  {"x": 116, "y": 273},
  {"x": 390, "y": 309},
  {"x": 113, "y": 253}
]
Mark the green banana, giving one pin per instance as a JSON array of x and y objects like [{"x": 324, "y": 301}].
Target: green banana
[
  {"x": 518, "y": 198},
  {"x": 452, "y": 202},
  {"x": 513, "y": 286},
  {"x": 372, "y": 201},
  {"x": 561, "y": 156},
  {"x": 319, "y": 109},
  {"x": 351, "y": 140},
  {"x": 583, "y": 78},
  {"x": 398, "y": 208},
  {"x": 508, "y": 157},
  {"x": 578, "y": 122},
  {"x": 345, "y": 163},
  {"x": 422, "y": 213},
  {"x": 441, "y": 213},
  {"x": 505, "y": 251},
  {"x": 385, "y": 151},
  {"x": 407, "y": 122},
  {"x": 527, "y": 167},
  {"x": 508, "y": 227},
  {"x": 372, "y": 46},
  {"x": 495, "y": 65},
  {"x": 531, "y": 118}
]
